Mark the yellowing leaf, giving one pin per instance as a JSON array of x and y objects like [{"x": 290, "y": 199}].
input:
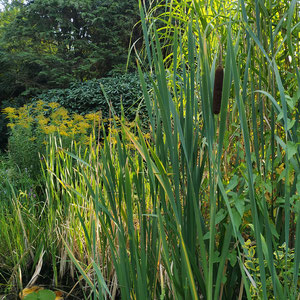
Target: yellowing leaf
[
  {"x": 58, "y": 295},
  {"x": 30, "y": 290}
]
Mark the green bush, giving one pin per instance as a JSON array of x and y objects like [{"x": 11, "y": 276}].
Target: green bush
[{"x": 84, "y": 97}]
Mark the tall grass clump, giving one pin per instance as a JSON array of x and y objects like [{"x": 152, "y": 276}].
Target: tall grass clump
[
  {"x": 206, "y": 206},
  {"x": 30, "y": 238},
  {"x": 20, "y": 220}
]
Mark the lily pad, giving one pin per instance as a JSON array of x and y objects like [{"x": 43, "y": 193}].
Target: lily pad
[{"x": 41, "y": 295}]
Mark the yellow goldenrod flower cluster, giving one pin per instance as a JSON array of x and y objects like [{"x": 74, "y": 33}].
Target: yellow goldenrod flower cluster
[
  {"x": 50, "y": 118},
  {"x": 42, "y": 119}
]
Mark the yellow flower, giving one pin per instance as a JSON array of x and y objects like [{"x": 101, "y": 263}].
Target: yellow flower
[
  {"x": 40, "y": 102},
  {"x": 93, "y": 117},
  {"x": 49, "y": 129},
  {"x": 53, "y": 105},
  {"x": 78, "y": 118},
  {"x": 63, "y": 132},
  {"x": 39, "y": 105},
  {"x": 82, "y": 127},
  {"x": 43, "y": 121},
  {"x": 60, "y": 113},
  {"x": 63, "y": 129},
  {"x": 9, "y": 110}
]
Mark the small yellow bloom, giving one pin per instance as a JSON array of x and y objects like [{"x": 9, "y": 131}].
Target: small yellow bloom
[
  {"x": 39, "y": 105},
  {"x": 60, "y": 113},
  {"x": 93, "y": 117},
  {"x": 78, "y": 118},
  {"x": 9, "y": 110},
  {"x": 82, "y": 127},
  {"x": 49, "y": 129},
  {"x": 63, "y": 132},
  {"x": 43, "y": 121},
  {"x": 53, "y": 105}
]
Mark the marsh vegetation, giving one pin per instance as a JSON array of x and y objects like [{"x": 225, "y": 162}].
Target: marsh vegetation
[{"x": 165, "y": 195}]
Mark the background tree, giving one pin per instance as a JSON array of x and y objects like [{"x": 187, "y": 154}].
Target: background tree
[{"x": 50, "y": 43}]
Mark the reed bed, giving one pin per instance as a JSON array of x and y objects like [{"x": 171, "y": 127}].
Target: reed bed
[
  {"x": 205, "y": 205},
  {"x": 202, "y": 209}
]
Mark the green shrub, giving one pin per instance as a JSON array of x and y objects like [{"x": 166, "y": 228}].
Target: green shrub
[
  {"x": 84, "y": 97},
  {"x": 284, "y": 266}
]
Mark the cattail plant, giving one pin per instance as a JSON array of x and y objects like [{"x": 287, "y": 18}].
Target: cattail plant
[
  {"x": 218, "y": 85},
  {"x": 217, "y": 96}
]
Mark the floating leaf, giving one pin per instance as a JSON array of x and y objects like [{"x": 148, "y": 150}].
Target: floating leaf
[
  {"x": 32, "y": 296},
  {"x": 38, "y": 293},
  {"x": 28, "y": 291},
  {"x": 46, "y": 295}
]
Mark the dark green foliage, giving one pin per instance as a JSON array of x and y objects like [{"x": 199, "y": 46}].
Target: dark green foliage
[
  {"x": 84, "y": 97},
  {"x": 4, "y": 134},
  {"x": 50, "y": 43}
]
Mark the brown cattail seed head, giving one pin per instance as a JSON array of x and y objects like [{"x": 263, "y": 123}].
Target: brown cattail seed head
[{"x": 217, "y": 96}]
